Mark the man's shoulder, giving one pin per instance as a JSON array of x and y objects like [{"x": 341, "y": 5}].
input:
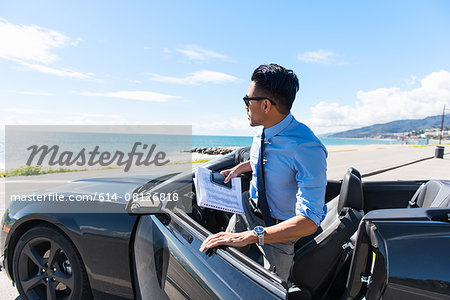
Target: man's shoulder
[{"x": 301, "y": 132}]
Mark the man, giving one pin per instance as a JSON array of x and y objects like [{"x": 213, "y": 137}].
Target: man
[{"x": 287, "y": 191}]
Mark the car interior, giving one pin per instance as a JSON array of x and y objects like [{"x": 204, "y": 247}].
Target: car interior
[{"x": 323, "y": 260}]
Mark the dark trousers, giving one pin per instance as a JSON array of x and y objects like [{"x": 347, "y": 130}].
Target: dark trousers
[{"x": 277, "y": 257}]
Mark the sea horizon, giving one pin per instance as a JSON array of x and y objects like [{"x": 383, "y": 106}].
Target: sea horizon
[{"x": 197, "y": 141}]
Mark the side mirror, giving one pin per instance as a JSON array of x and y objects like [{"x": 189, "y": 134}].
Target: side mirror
[{"x": 176, "y": 192}]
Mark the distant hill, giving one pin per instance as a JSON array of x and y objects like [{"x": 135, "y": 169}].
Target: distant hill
[{"x": 393, "y": 127}]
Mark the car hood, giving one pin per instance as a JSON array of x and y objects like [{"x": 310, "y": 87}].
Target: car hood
[
  {"x": 101, "y": 194},
  {"x": 93, "y": 186}
]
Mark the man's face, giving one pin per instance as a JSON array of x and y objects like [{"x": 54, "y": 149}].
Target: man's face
[{"x": 255, "y": 109}]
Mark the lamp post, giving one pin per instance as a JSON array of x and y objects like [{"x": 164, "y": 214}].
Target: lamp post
[
  {"x": 439, "y": 151},
  {"x": 442, "y": 125}
]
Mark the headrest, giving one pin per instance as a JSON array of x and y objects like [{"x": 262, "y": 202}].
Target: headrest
[
  {"x": 351, "y": 195},
  {"x": 354, "y": 172},
  {"x": 241, "y": 155}
]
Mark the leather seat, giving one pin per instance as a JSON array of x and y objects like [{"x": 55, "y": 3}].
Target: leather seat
[
  {"x": 435, "y": 193},
  {"x": 332, "y": 207},
  {"x": 241, "y": 155},
  {"x": 316, "y": 261}
]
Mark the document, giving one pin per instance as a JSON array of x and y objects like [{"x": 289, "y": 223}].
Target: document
[{"x": 216, "y": 195}]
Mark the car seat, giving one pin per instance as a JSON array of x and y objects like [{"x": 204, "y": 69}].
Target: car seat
[
  {"x": 332, "y": 207},
  {"x": 434, "y": 193},
  {"x": 316, "y": 262}
]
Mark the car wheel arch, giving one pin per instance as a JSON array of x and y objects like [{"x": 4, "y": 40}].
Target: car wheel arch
[
  {"x": 20, "y": 229},
  {"x": 46, "y": 236}
]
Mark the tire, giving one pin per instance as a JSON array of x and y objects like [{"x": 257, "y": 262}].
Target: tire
[{"x": 46, "y": 265}]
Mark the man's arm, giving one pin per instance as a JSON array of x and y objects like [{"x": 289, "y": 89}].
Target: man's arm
[
  {"x": 309, "y": 213},
  {"x": 235, "y": 171},
  {"x": 291, "y": 229}
]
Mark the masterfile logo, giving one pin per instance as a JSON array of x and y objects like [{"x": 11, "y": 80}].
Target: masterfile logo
[
  {"x": 74, "y": 168},
  {"x": 94, "y": 157}
]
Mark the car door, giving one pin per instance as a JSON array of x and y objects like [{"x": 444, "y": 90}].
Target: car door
[{"x": 167, "y": 264}]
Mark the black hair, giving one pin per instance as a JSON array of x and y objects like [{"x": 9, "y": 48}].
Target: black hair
[{"x": 279, "y": 83}]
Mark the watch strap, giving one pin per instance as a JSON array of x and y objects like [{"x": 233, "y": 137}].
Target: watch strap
[{"x": 261, "y": 239}]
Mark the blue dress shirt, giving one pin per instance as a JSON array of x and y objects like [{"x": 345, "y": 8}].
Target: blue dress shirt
[{"x": 294, "y": 170}]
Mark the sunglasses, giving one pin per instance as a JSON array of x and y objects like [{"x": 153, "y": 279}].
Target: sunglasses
[{"x": 247, "y": 100}]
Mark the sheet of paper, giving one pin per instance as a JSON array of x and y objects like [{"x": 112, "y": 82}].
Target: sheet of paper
[{"x": 212, "y": 195}]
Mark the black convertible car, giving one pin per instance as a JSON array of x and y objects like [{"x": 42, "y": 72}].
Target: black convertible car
[{"x": 379, "y": 240}]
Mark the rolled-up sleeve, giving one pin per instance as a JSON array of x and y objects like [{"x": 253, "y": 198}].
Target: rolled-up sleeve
[{"x": 311, "y": 166}]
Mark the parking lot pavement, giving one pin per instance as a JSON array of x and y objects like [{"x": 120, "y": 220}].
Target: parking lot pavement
[
  {"x": 7, "y": 291},
  {"x": 370, "y": 158},
  {"x": 435, "y": 168}
]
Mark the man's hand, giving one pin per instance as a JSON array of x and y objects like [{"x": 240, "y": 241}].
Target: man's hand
[
  {"x": 234, "y": 172},
  {"x": 230, "y": 173},
  {"x": 288, "y": 230},
  {"x": 238, "y": 240}
]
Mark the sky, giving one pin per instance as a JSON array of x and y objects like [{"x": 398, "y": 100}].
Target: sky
[{"x": 189, "y": 62}]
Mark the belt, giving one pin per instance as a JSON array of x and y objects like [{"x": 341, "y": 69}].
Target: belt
[{"x": 257, "y": 212}]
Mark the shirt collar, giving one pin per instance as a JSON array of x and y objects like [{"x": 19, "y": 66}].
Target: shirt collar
[{"x": 277, "y": 128}]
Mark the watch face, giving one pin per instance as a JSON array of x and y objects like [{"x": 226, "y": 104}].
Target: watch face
[{"x": 258, "y": 230}]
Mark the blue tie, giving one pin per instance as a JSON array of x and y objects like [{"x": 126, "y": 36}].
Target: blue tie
[{"x": 262, "y": 199}]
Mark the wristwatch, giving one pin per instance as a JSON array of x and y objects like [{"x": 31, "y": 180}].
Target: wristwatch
[{"x": 259, "y": 231}]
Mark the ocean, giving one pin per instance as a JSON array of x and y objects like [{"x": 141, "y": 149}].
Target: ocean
[{"x": 173, "y": 144}]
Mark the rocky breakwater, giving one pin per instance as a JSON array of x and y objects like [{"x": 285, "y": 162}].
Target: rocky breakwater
[{"x": 214, "y": 150}]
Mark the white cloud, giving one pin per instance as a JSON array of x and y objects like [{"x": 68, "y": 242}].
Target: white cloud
[
  {"x": 233, "y": 126},
  {"x": 30, "y": 93},
  {"x": 76, "y": 42},
  {"x": 31, "y": 43},
  {"x": 26, "y": 116},
  {"x": 21, "y": 116},
  {"x": 55, "y": 71},
  {"x": 32, "y": 46},
  {"x": 134, "y": 81},
  {"x": 95, "y": 119},
  {"x": 133, "y": 95},
  {"x": 384, "y": 105},
  {"x": 411, "y": 80},
  {"x": 203, "y": 76},
  {"x": 196, "y": 53},
  {"x": 319, "y": 56},
  {"x": 26, "y": 111}
]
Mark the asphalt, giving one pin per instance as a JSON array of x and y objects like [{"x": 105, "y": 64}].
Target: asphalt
[
  {"x": 434, "y": 168},
  {"x": 373, "y": 159},
  {"x": 7, "y": 291},
  {"x": 402, "y": 163}
]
